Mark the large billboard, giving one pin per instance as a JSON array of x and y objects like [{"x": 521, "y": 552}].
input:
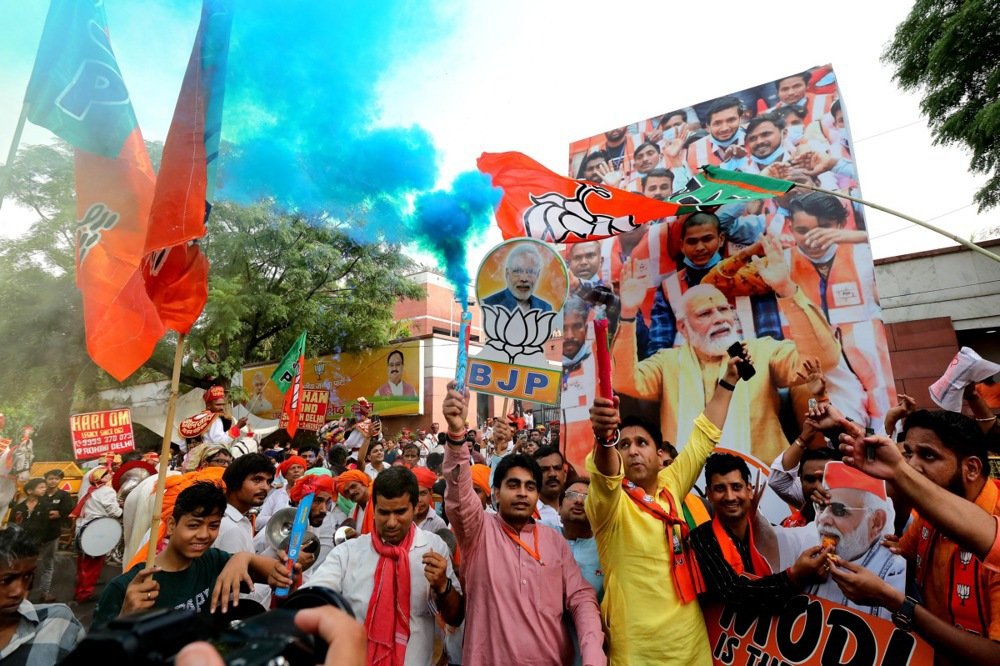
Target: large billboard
[
  {"x": 391, "y": 378},
  {"x": 793, "y": 276}
]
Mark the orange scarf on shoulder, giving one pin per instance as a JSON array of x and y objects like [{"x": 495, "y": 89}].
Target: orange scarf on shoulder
[{"x": 732, "y": 555}]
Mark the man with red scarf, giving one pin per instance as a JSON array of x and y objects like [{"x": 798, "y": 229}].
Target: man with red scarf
[
  {"x": 734, "y": 571},
  {"x": 398, "y": 578}
]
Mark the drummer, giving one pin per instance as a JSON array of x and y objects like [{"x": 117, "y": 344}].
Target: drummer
[
  {"x": 100, "y": 501},
  {"x": 186, "y": 572}
]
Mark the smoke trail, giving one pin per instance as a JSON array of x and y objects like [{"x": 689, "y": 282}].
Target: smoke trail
[{"x": 302, "y": 116}]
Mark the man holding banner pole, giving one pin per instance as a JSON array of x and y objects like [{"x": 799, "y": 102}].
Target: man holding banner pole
[{"x": 651, "y": 585}]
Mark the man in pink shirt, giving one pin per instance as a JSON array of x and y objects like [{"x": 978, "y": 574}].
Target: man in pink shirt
[{"x": 520, "y": 576}]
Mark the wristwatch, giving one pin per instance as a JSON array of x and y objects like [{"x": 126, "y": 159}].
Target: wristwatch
[{"x": 903, "y": 618}]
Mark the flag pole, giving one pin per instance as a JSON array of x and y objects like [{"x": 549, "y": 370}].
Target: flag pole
[
  {"x": 168, "y": 429},
  {"x": 15, "y": 142},
  {"x": 927, "y": 225}
]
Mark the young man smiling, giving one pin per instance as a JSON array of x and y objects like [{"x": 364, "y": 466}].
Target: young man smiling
[{"x": 189, "y": 573}]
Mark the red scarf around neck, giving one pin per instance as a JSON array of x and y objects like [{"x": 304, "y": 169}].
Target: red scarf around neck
[{"x": 388, "y": 618}]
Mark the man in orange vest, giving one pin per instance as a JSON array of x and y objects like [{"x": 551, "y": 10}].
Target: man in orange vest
[
  {"x": 950, "y": 450},
  {"x": 793, "y": 91},
  {"x": 724, "y": 144},
  {"x": 735, "y": 572}
]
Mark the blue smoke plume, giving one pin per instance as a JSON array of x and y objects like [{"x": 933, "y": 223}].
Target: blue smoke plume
[{"x": 301, "y": 113}]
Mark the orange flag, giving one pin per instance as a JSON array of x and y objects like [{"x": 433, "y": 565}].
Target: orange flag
[{"x": 538, "y": 203}]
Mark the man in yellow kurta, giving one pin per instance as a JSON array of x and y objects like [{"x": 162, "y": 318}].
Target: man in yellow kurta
[
  {"x": 684, "y": 378},
  {"x": 650, "y": 606}
]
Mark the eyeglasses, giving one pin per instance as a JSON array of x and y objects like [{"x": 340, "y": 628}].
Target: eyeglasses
[
  {"x": 217, "y": 462},
  {"x": 841, "y": 510},
  {"x": 574, "y": 495},
  {"x": 530, "y": 272}
]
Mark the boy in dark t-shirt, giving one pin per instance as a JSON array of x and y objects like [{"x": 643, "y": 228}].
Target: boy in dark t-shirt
[{"x": 186, "y": 572}]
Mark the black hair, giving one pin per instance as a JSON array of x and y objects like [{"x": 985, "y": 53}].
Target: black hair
[
  {"x": 54, "y": 472},
  {"x": 635, "y": 153},
  {"x": 449, "y": 539},
  {"x": 397, "y": 481},
  {"x": 442, "y": 438},
  {"x": 820, "y": 205},
  {"x": 670, "y": 449},
  {"x": 724, "y": 463},
  {"x": 959, "y": 434},
  {"x": 200, "y": 499},
  {"x": 653, "y": 429},
  {"x": 245, "y": 466},
  {"x": 835, "y": 107},
  {"x": 825, "y": 453},
  {"x": 31, "y": 484},
  {"x": 309, "y": 447},
  {"x": 337, "y": 454},
  {"x": 411, "y": 445},
  {"x": 434, "y": 461},
  {"x": 772, "y": 118},
  {"x": 509, "y": 462},
  {"x": 597, "y": 154},
  {"x": 130, "y": 456},
  {"x": 698, "y": 219},
  {"x": 16, "y": 544},
  {"x": 394, "y": 351},
  {"x": 580, "y": 479},
  {"x": 805, "y": 76},
  {"x": 785, "y": 111},
  {"x": 546, "y": 451},
  {"x": 722, "y": 104},
  {"x": 658, "y": 172},
  {"x": 668, "y": 116}
]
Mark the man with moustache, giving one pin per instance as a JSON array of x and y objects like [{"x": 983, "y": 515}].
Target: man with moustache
[
  {"x": 521, "y": 272},
  {"x": 553, "y": 467},
  {"x": 579, "y": 379},
  {"x": 772, "y": 155},
  {"x": 735, "y": 572},
  {"x": 723, "y": 145},
  {"x": 857, "y": 518},
  {"x": 578, "y": 533},
  {"x": 683, "y": 379}
]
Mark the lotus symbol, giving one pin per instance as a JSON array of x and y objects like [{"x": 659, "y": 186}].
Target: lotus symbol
[
  {"x": 553, "y": 217},
  {"x": 964, "y": 592},
  {"x": 518, "y": 335}
]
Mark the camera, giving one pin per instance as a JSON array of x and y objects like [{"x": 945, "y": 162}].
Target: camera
[
  {"x": 264, "y": 639},
  {"x": 743, "y": 366},
  {"x": 597, "y": 294}
]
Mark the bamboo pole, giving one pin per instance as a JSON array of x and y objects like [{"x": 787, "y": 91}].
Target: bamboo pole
[
  {"x": 15, "y": 141},
  {"x": 168, "y": 428},
  {"x": 927, "y": 225}
]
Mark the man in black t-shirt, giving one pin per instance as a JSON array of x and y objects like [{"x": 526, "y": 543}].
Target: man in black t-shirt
[
  {"x": 58, "y": 505},
  {"x": 186, "y": 572}
]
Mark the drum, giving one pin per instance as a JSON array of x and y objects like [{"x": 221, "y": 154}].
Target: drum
[{"x": 99, "y": 537}]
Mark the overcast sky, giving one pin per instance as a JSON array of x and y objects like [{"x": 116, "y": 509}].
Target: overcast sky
[{"x": 531, "y": 76}]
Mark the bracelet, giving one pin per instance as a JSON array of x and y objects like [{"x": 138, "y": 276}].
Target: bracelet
[
  {"x": 726, "y": 385},
  {"x": 799, "y": 443},
  {"x": 987, "y": 419},
  {"x": 626, "y": 318},
  {"x": 448, "y": 588},
  {"x": 456, "y": 438},
  {"x": 609, "y": 442}
]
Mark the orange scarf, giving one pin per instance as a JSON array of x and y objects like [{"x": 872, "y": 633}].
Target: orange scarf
[
  {"x": 732, "y": 555},
  {"x": 535, "y": 553},
  {"x": 388, "y": 617},
  {"x": 368, "y": 522},
  {"x": 687, "y": 579}
]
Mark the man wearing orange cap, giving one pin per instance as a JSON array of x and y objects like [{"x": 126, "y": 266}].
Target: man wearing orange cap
[
  {"x": 481, "y": 484},
  {"x": 211, "y": 425},
  {"x": 425, "y": 517},
  {"x": 99, "y": 501},
  {"x": 857, "y": 517},
  {"x": 322, "y": 489},
  {"x": 356, "y": 486},
  {"x": 291, "y": 470}
]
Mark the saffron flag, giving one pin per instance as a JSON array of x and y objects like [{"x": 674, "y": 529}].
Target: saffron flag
[
  {"x": 538, "y": 203},
  {"x": 175, "y": 269},
  {"x": 76, "y": 91},
  {"x": 288, "y": 378}
]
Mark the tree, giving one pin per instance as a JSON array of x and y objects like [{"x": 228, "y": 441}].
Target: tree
[
  {"x": 950, "y": 49},
  {"x": 272, "y": 275}
]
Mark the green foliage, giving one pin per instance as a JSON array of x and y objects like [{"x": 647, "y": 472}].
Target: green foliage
[
  {"x": 950, "y": 50},
  {"x": 272, "y": 275}
]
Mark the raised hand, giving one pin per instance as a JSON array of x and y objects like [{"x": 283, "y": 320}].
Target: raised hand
[
  {"x": 773, "y": 269},
  {"x": 455, "y": 409},
  {"x": 632, "y": 290},
  {"x": 604, "y": 417},
  {"x": 874, "y": 455}
]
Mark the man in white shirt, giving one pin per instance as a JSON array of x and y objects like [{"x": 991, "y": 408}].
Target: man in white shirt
[
  {"x": 291, "y": 470},
  {"x": 100, "y": 501},
  {"x": 398, "y": 578},
  {"x": 212, "y": 426},
  {"x": 247, "y": 481},
  {"x": 426, "y": 517}
]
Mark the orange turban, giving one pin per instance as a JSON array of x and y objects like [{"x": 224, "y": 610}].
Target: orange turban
[
  {"x": 481, "y": 477},
  {"x": 425, "y": 477},
  {"x": 293, "y": 460},
  {"x": 353, "y": 475},
  {"x": 310, "y": 484}
]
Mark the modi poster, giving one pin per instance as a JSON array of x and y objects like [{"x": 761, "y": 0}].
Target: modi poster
[
  {"x": 391, "y": 378},
  {"x": 792, "y": 276}
]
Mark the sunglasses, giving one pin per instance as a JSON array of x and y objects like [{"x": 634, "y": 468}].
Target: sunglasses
[{"x": 841, "y": 510}]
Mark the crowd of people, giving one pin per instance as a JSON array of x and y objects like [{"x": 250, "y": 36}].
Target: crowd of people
[{"x": 492, "y": 548}]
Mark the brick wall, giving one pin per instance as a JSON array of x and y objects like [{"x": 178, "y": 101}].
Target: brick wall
[{"x": 920, "y": 351}]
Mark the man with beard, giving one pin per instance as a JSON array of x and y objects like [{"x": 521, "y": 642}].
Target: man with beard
[
  {"x": 521, "y": 272},
  {"x": 674, "y": 376},
  {"x": 585, "y": 261},
  {"x": 578, "y": 533},
  {"x": 796, "y": 483},
  {"x": 247, "y": 481},
  {"x": 514, "y": 568},
  {"x": 291, "y": 470},
  {"x": 722, "y": 147},
  {"x": 949, "y": 449},
  {"x": 397, "y": 578},
  {"x": 735, "y": 572},
  {"x": 425, "y": 517},
  {"x": 322, "y": 488},
  {"x": 635, "y": 508},
  {"x": 355, "y": 485},
  {"x": 553, "y": 467},
  {"x": 579, "y": 378},
  {"x": 855, "y": 520},
  {"x": 772, "y": 155}
]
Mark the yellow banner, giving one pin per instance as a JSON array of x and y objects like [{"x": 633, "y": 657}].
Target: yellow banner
[
  {"x": 391, "y": 378},
  {"x": 515, "y": 381}
]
